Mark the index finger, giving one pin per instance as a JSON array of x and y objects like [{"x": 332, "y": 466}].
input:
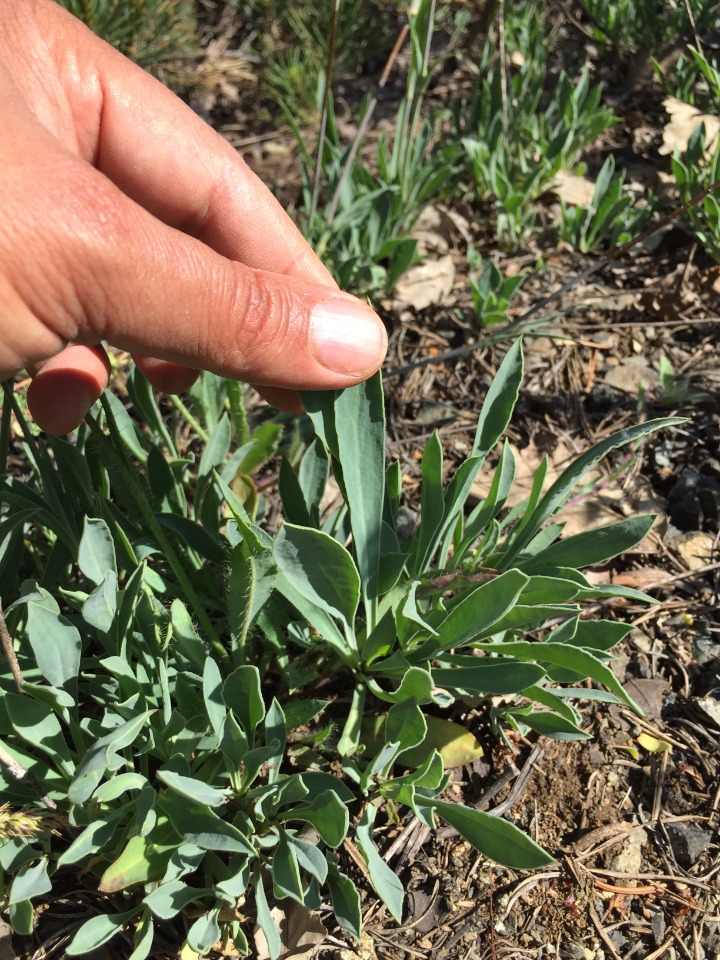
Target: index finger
[{"x": 163, "y": 156}]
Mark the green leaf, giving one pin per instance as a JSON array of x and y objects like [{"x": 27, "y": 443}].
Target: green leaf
[
  {"x": 30, "y": 881},
  {"x": 568, "y": 480},
  {"x": 139, "y": 862},
  {"x": 345, "y": 900},
  {"x": 167, "y": 900},
  {"x": 217, "y": 447},
  {"x": 384, "y": 880},
  {"x": 432, "y": 506},
  {"x": 93, "y": 838},
  {"x": 143, "y": 940},
  {"x": 187, "y": 638},
  {"x": 499, "y": 402},
  {"x": 112, "y": 789},
  {"x": 320, "y": 568},
  {"x": 481, "y": 609},
  {"x": 593, "y": 546},
  {"x": 496, "y": 838},
  {"x": 37, "y": 724},
  {"x": 203, "y": 828},
  {"x": 405, "y": 725},
  {"x": 96, "y": 554},
  {"x": 243, "y": 695},
  {"x": 195, "y": 790},
  {"x": 298, "y": 713},
  {"x": 213, "y": 698},
  {"x": 264, "y": 917},
  {"x": 286, "y": 871},
  {"x": 552, "y": 725},
  {"x": 22, "y": 917},
  {"x": 580, "y": 661},
  {"x": 352, "y": 425},
  {"x": 327, "y": 813},
  {"x": 487, "y": 676},
  {"x": 101, "y": 606},
  {"x": 98, "y": 930},
  {"x": 204, "y": 933},
  {"x": 309, "y": 858},
  {"x": 54, "y": 640},
  {"x": 93, "y": 765}
]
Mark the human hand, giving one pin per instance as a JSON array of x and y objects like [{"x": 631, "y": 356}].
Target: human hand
[{"x": 125, "y": 218}]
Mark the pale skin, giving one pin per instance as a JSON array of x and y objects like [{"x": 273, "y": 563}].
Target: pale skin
[{"x": 126, "y": 220}]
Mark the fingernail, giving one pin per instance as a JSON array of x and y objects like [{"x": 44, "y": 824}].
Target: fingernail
[{"x": 347, "y": 337}]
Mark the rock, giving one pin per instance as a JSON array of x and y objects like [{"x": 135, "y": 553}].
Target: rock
[
  {"x": 688, "y": 842},
  {"x": 572, "y": 951},
  {"x": 630, "y": 859}
]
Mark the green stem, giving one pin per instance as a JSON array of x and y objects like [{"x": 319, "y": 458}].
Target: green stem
[
  {"x": 236, "y": 399},
  {"x": 194, "y": 424},
  {"x": 148, "y": 518},
  {"x": 5, "y": 427},
  {"x": 350, "y": 738}
]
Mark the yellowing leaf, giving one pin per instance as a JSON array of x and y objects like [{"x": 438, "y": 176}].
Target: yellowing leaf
[
  {"x": 454, "y": 743},
  {"x": 652, "y": 744}
]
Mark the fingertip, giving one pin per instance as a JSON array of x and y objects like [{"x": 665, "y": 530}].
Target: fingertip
[
  {"x": 65, "y": 388},
  {"x": 287, "y": 401},
  {"x": 165, "y": 376}
]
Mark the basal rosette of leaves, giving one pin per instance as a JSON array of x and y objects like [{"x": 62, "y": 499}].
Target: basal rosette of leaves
[{"x": 208, "y": 753}]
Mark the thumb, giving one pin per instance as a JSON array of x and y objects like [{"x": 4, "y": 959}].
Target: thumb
[{"x": 146, "y": 287}]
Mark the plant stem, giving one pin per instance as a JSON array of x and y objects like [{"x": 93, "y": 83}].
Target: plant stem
[
  {"x": 5, "y": 427},
  {"x": 149, "y": 519},
  {"x": 236, "y": 399},
  {"x": 9, "y": 650},
  {"x": 192, "y": 421}
]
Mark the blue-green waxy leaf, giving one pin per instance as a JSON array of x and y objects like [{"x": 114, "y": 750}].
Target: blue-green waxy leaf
[
  {"x": 243, "y": 695},
  {"x": 204, "y": 933},
  {"x": 98, "y": 930},
  {"x": 91, "y": 839},
  {"x": 327, "y": 813},
  {"x": 264, "y": 917},
  {"x": 405, "y": 725},
  {"x": 352, "y": 426},
  {"x": 581, "y": 662},
  {"x": 499, "y": 402},
  {"x": 203, "y": 828},
  {"x": 593, "y": 546},
  {"x": 36, "y": 723},
  {"x": 432, "y": 507},
  {"x": 96, "y": 553},
  {"x": 167, "y": 900},
  {"x": 143, "y": 939},
  {"x": 568, "y": 480},
  {"x": 101, "y": 606},
  {"x": 477, "y": 613},
  {"x": 312, "y": 860},
  {"x": 186, "y": 636},
  {"x": 96, "y": 761},
  {"x": 286, "y": 870},
  {"x": 496, "y": 838},
  {"x": 195, "y": 790},
  {"x": 320, "y": 568},
  {"x": 551, "y": 724},
  {"x": 30, "y": 881},
  {"x": 213, "y": 696},
  {"x": 487, "y": 676},
  {"x": 345, "y": 900},
  {"x": 22, "y": 915},
  {"x": 54, "y": 640},
  {"x": 384, "y": 880}
]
